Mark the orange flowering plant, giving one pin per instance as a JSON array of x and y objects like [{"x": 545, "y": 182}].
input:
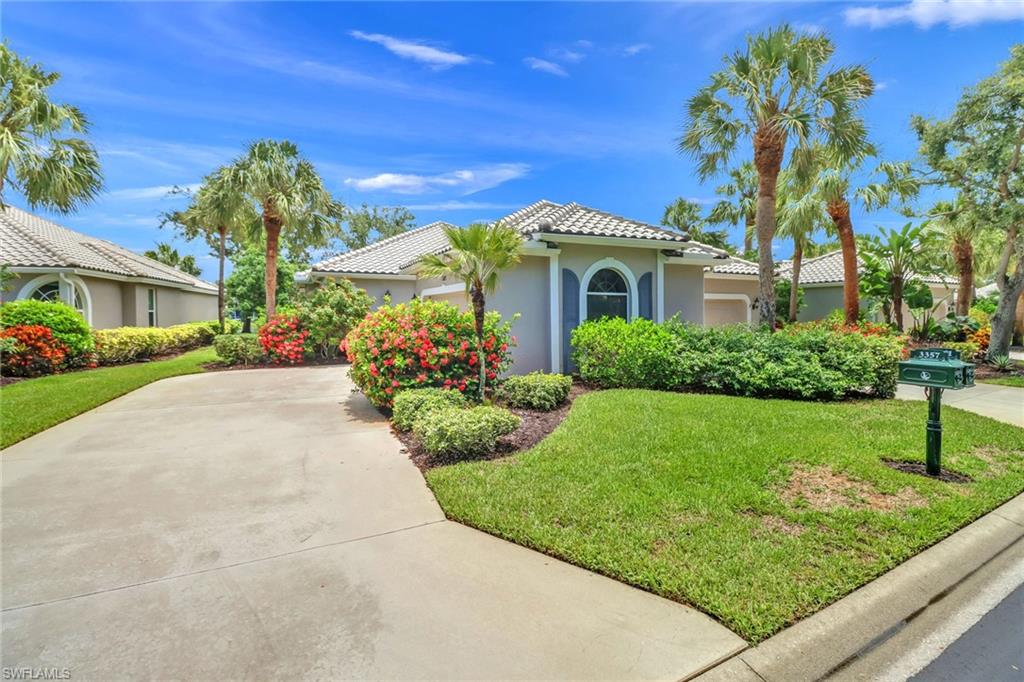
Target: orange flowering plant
[
  {"x": 31, "y": 350},
  {"x": 421, "y": 344}
]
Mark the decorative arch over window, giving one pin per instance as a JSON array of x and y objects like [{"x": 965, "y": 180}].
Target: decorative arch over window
[
  {"x": 60, "y": 288},
  {"x": 608, "y": 289}
]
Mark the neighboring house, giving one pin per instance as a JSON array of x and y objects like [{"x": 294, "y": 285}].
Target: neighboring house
[
  {"x": 110, "y": 285},
  {"x": 577, "y": 263},
  {"x": 730, "y": 292}
]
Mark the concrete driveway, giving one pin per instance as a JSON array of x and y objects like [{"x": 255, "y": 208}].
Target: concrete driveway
[
  {"x": 1005, "y": 403},
  {"x": 264, "y": 524}
]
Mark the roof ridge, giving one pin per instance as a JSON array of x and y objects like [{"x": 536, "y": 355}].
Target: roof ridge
[
  {"x": 641, "y": 224},
  {"x": 377, "y": 245},
  {"x": 527, "y": 210}
]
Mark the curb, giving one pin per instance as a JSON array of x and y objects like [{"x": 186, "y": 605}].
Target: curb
[{"x": 826, "y": 641}]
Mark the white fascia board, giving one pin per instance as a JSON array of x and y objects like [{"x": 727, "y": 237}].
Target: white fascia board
[
  {"x": 728, "y": 275},
  {"x": 444, "y": 289},
  {"x": 361, "y": 275},
  {"x": 631, "y": 242},
  {"x": 693, "y": 259},
  {"x": 99, "y": 274}
]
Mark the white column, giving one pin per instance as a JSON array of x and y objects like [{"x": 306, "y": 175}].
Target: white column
[
  {"x": 659, "y": 315},
  {"x": 556, "y": 327}
]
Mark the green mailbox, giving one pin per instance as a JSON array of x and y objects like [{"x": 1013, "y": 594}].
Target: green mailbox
[{"x": 936, "y": 369}]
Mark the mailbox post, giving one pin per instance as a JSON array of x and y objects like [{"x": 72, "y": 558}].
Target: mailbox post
[{"x": 936, "y": 369}]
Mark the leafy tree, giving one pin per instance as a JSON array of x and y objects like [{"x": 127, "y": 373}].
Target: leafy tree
[
  {"x": 958, "y": 228},
  {"x": 168, "y": 255},
  {"x": 741, "y": 208},
  {"x": 43, "y": 152},
  {"x": 800, "y": 214},
  {"x": 330, "y": 311},
  {"x": 788, "y": 302},
  {"x": 291, "y": 198},
  {"x": 977, "y": 151},
  {"x": 220, "y": 214},
  {"x": 896, "y": 258},
  {"x": 478, "y": 255},
  {"x": 367, "y": 225},
  {"x": 245, "y": 285},
  {"x": 684, "y": 215},
  {"x": 775, "y": 93}
]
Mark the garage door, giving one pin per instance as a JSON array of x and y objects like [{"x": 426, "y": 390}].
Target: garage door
[{"x": 724, "y": 311}]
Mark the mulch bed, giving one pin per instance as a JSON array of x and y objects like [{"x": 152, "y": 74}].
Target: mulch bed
[
  {"x": 918, "y": 468},
  {"x": 535, "y": 427},
  {"x": 318, "y": 362},
  {"x": 4, "y": 381},
  {"x": 984, "y": 371}
]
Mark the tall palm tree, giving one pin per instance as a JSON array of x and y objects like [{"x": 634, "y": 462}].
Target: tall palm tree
[
  {"x": 902, "y": 255},
  {"x": 684, "y": 215},
  {"x": 800, "y": 214},
  {"x": 168, "y": 255},
  {"x": 43, "y": 153},
  {"x": 478, "y": 255},
  {"x": 291, "y": 198},
  {"x": 218, "y": 212},
  {"x": 742, "y": 208},
  {"x": 773, "y": 93}
]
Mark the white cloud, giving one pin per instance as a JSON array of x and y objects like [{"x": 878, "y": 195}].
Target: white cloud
[
  {"x": 462, "y": 206},
  {"x": 928, "y": 13},
  {"x": 805, "y": 27},
  {"x": 465, "y": 181},
  {"x": 143, "y": 193},
  {"x": 881, "y": 85},
  {"x": 585, "y": 44},
  {"x": 564, "y": 54},
  {"x": 410, "y": 49},
  {"x": 633, "y": 50},
  {"x": 545, "y": 66}
]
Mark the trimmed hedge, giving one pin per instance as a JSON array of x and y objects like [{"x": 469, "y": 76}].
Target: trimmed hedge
[
  {"x": 455, "y": 432},
  {"x": 66, "y": 323},
  {"x": 809, "y": 362},
  {"x": 414, "y": 403},
  {"x": 129, "y": 344},
  {"x": 535, "y": 391},
  {"x": 239, "y": 349}
]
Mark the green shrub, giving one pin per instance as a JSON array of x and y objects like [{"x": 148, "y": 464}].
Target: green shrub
[
  {"x": 129, "y": 344},
  {"x": 472, "y": 432},
  {"x": 805, "y": 361},
  {"x": 980, "y": 316},
  {"x": 988, "y": 304},
  {"x": 410, "y": 405},
  {"x": 329, "y": 312},
  {"x": 239, "y": 349},
  {"x": 968, "y": 349},
  {"x": 66, "y": 323},
  {"x": 536, "y": 390},
  {"x": 424, "y": 343},
  {"x": 614, "y": 353}
]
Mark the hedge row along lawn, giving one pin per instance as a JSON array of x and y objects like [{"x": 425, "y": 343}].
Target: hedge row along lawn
[
  {"x": 758, "y": 512},
  {"x": 30, "y": 406}
]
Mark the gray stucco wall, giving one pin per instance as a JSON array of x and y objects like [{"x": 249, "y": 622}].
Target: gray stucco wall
[
  {"x": 728, "y": 311},
  {"x": 524, "y": 290},
  {"x": 820, "y": 301},
  {"x": 684, "y": 292},
  {"x": 401, "y": 291}
]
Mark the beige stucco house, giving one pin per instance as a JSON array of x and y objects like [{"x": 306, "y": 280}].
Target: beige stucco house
[
  {"x": 110, "y": 285},
  {"x": 577, "y": 263}
]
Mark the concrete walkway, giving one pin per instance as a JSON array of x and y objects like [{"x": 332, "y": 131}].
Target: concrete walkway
[
  {"x": 263, "y": 524},
  {"x": 1005, "y": 403}
]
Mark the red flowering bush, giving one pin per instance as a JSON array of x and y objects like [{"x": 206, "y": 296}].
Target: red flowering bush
[
  {"x": 421, "y": 344},
  {"x": 31, "y": 350},
  {"x": 284, "y": 340}
]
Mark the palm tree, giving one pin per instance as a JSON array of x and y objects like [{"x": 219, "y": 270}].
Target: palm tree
[
  {"x": 684, "y": 215},
  {"x": 42, "y": 152},
  {"x": 901, "y": 255},
  {"x": 800, "y": 214},
  {"x": 772, "y": 93},
  {"x": 168, "y": 255},
  {"x": 477, "y": 256},
  {"x": 742, "y": 209},
  {"x": 290, "y": 196},
  {"x": 218, "y": 213}
]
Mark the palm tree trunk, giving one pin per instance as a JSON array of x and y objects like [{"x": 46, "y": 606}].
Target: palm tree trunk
[
  {"x": 897, "y": 301},
  {"x": 272, "y": 226},
  {"x": 477, "y": 295},
  {"x": 839, "y": 211},
  {"x": 748, "y": 236},
  {"x": 769, "y": 146},
  {"x": 794, "y": 285},
  {"x": 223, "y": 232},
  {"x": 963, "y": 254}
]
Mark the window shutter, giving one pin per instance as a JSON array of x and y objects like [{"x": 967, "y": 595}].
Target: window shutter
[
  {"x": 644, "y": 298},
  {"x": 570, "y": 314}
]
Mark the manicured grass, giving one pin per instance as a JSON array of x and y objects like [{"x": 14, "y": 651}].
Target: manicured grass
[
  {"x": 30, "y": 406},
  {"x": 1005, "y": 381},
  {"x": 691, "y": 496}
]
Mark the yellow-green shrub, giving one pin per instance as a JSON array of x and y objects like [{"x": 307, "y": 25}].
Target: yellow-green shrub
[{"x": 128, "y": 344}]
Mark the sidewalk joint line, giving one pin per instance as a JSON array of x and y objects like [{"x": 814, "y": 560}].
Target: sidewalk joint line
[{"x": 212, "y": 569}]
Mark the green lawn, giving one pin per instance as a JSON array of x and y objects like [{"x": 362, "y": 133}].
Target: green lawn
[
  {"x": 722, "y": 502},
  {"x": 30, "y": 406},
  {"x": 1004, "y": 381}
]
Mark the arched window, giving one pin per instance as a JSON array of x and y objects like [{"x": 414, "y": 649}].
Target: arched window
[
  {"x": 607, "y": 295},
  {"x": 50, "y": 288}
]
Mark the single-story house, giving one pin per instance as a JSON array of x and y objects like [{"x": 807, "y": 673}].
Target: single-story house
[
  {"x": 577, "y": 263},
  {"x": 110, "y": 285}
]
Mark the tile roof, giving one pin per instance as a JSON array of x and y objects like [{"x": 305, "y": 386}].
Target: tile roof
[
  {"x": 26, "y": 240},
  {"x": 828, "y": 268},
  {"x": 392, "y": 255},
  {"x": 737, "y": 266}
]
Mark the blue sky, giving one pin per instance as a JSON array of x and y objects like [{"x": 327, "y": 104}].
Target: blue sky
[{"x": 460, "y": 111}]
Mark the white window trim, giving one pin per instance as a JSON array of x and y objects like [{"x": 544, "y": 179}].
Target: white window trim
[
  {"x": 154, "y": 310},
  {"x": 622, "y": 269},
  {"x": 66, "y": 282},
  {"x": 733, "y": 297}
]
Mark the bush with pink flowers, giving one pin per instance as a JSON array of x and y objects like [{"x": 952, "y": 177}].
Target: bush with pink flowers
[
  {"x": 424, "y": 343},
  {"x": 284, "y": 340}
]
